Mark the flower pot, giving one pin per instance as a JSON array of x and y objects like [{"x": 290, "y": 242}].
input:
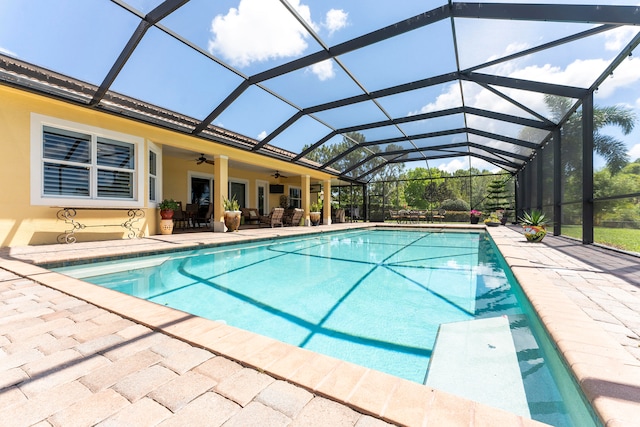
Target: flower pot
[
  {"x": 166, "y": 226},
  {"x": 166, "y": 213},
  {"x": 232, "y": 220},
  {"x": 314, "y": 217},
  {"x": 534, "y": 233},
  {"x": 474, "y": 219},
  {"x": 492, "y": 224}
]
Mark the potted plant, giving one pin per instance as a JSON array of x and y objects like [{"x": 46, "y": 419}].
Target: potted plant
[
  {"x": 493, "y": 220},
  {"x": 534, "y": 224},
  {"x": 314, "y": 214},
  {"x": 475, "y": 215},
  {"x": 167, "y": 206},
  {"x": 232, "y": 213}
]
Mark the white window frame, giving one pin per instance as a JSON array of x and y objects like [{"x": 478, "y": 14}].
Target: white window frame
[
  {"x": 158, "y": 152},
  {"x": 201, "y": 175},
  {"x": 38, "y": 122},
  {"x": 265, "y": 185},
  {"x": 292, "y": 187}
]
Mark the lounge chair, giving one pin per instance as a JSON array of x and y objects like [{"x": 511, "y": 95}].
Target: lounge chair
[
  {"x": 294, "y": 220},
  {"x": 273, "y": 219}
]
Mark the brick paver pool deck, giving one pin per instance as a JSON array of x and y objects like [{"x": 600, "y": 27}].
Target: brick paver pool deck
[{"x": 75, "y": 354}]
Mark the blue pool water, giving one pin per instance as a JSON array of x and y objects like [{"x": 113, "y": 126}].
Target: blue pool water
[{"x": 372, "y": 297}]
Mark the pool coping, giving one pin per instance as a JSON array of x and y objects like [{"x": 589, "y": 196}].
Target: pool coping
[{"x": 608, "y": 375}]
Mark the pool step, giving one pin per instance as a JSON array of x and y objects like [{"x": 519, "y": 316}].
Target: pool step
[{"x": 477, "y": 359}]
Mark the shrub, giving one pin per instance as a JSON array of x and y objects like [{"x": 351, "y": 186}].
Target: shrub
[{"x": 455, "y": 205}]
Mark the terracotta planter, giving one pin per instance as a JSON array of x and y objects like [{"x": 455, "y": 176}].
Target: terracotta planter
[
  {"x": 166, "y": 226},
  {"x": 166, "y": 213},
  {"x": 534, "y": 233},
  {"x": 232, "y": 220},
  {"x": 314, "y": 217}
]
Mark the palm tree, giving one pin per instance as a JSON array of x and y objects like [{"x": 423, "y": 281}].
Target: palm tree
[{"x": 610, "y": 148}]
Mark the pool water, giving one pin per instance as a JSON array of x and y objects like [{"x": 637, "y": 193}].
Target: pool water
[{"x": 373, "y": 297}]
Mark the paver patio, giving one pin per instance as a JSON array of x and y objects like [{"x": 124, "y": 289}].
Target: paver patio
[{"x": 97, "y": 358}]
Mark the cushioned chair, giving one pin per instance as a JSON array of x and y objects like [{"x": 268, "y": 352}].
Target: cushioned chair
[
  {"x": 273, "y": 219},
  {"x": 294, "y": 220},
  {"x": 250, "y": 215},
  {"x": 338, "y": 216}
]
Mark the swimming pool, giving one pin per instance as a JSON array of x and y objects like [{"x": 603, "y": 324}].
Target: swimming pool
[{"x": 375, "y": 297}]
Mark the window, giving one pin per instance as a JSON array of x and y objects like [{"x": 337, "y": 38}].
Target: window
[
  {"x": 155, "y": 173},
  {"x": 295, "y": 197},
  {"x": 77, "y": 165}
]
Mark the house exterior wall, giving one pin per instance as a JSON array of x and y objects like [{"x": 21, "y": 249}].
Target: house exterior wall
[{"x": 24, "y": 223}]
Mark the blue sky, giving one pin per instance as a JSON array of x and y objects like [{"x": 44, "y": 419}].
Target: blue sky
[{"x": 251, "y": 36}]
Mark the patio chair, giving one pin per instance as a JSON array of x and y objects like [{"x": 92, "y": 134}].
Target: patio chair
[
  {"x": 179, "y": 217},
  {"x": 200, "y": 218},
  {"x": 191, "y": 213},
  {"x": 250, "y": 215},
  {"x": 338, "y": 216},
  {"x": 439, "y": 215},
  {"x": 273, "y": 219},
  {"x": 294, "y": 220}
]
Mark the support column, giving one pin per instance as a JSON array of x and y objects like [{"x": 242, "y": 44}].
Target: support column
[
  {"x": 305, "y": 184},
  {"x": 587, "y": 169},
  {"x": 539, "y": 179},
  {"x": 326, "y": 208},
  {"x": 557, "y": 182},
  {"x": 220, "y": 191},
  {"x": 528, "y": 179}
]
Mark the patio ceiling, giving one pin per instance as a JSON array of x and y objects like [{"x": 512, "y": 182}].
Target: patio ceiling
[{"x": 420, "y": 81}]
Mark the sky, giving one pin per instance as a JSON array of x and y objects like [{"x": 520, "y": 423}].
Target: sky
[{"x": 251, "y": 36}]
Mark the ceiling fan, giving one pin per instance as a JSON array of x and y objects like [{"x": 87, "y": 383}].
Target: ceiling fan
[
  {"x": 279, "y": 175},
  {"x": 203, "y": 159}
]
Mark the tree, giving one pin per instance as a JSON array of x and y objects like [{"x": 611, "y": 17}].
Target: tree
[
  {"x": 326, "y": 153},
  {"x": 426, "y": 188},
  {"x": 611, "y": 149},
  {"x": 497, "y": 196}
]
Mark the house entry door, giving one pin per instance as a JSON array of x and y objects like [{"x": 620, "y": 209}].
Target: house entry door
[{"x": 201, "y": 196}]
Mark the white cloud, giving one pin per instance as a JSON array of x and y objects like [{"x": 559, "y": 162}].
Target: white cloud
[
  {"x": 453, "y": 165},
  {"x": 625, "y": 76},
  {"x": 324, "y": 70},
  {"x": 463, "y": 163},
  {"x": 449, "y": 99},
  {"x": 634, "y": 152},
  {"x": 262, "y": 135},
  {"x": 335, "y": 20},
  {"x": 259, "y": 30},
  {"x": 618, "y": 38}
]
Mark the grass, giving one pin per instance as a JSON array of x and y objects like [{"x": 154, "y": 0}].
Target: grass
[{"x": 627, "y": 239}]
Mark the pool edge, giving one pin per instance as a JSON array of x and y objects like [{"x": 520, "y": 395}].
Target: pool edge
[{"x": 403, "y": 402}]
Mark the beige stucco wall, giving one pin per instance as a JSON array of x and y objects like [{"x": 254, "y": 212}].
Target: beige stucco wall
[{"x": 22, "y": 223}]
